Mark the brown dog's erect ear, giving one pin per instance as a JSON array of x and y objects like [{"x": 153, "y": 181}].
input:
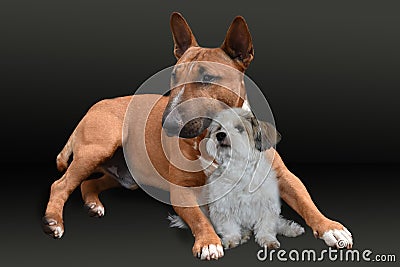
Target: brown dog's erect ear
[
  {"x": 182, "y": 34},
  {"x": 265, "y": 134},
  {"x": 238, "y": 44}
]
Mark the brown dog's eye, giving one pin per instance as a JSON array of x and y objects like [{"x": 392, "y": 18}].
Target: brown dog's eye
[{"x": 207, "y": 78}]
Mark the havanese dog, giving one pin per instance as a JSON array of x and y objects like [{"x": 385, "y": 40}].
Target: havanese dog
[
  {"x": 243, "y": 189},
  {"x": 251, "y": 203}
]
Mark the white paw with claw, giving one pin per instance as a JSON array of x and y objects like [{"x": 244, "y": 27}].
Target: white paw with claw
[
  {"x": 338, "y": 238},
  {"x": 211, "y": 252},
  {"x": 96, "y": 210},
  {"x": 231, "y": 241},
  {"x": 58, "y": 232}
]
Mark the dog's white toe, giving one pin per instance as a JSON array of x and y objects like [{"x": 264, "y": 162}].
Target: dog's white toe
[
  {"x": 205, "y": 254},
  {"x": 211, "y": 252},
  {"x": 100, "y": 211},
  {"x": 338, "y": 238},
  {"x": 96, "y": 210},
  {"x": 220, "y": 251},
  {"x": 58, "y": 232}
]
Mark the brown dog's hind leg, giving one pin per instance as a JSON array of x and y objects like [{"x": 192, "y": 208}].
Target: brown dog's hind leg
[
  {"x": 85, "y": 162},
  {"x": 91, "y": 189}
]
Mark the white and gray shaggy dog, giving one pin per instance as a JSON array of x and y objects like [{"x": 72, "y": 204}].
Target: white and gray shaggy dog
[
  {"x": 243, "y": 190},
  {"x": 237, "y": 141}
]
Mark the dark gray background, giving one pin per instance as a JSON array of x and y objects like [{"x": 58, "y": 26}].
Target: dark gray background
[{"x": 329, "y": 69}]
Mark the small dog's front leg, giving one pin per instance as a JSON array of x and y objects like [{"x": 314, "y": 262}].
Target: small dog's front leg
[
  {"x": 265, "y": 231},
  {"x": 230, "y": 232},
  {"x": 246, "y": 235}
]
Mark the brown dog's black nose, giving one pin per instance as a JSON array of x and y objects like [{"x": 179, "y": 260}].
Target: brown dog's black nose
[{"x": 220, "y": 136}]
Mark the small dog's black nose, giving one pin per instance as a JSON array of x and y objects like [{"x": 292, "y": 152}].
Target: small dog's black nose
[{"x": 221, "y": 136}]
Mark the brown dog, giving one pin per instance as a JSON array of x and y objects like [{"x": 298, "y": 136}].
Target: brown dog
[{"x": 97, "y": 140}]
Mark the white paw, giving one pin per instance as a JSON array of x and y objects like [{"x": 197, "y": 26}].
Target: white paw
[
  {"x": 211, "y": 252},
  {"x": 268, "y": 241},
  {"x": 58, "y": 232},
  {"x": 52, "y": 227},
  {"x": 338, "y": 238},
  {"x": 96, "y": 210},
  {"x": 231, "y": 241}
]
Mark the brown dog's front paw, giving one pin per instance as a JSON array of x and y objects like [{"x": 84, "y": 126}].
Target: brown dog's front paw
[
  {"x": 334, "y": 234},
  {"x": 95, "y": 210},
  {"x": 208, "y": 249},
  {"x": 52, "y": 227}
]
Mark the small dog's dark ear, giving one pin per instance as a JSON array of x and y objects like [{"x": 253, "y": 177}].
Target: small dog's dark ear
[
  {"x": 265, "y": 134},
  {"x": 208, "y": 132},
  {"x": 182, "y": 34}
]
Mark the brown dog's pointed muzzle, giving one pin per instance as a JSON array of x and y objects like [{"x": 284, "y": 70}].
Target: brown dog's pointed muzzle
[{"x": 174, "y": 125}]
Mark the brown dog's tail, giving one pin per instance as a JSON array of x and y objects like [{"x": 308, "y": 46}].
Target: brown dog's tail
[{"x": 63, "y": 157}]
